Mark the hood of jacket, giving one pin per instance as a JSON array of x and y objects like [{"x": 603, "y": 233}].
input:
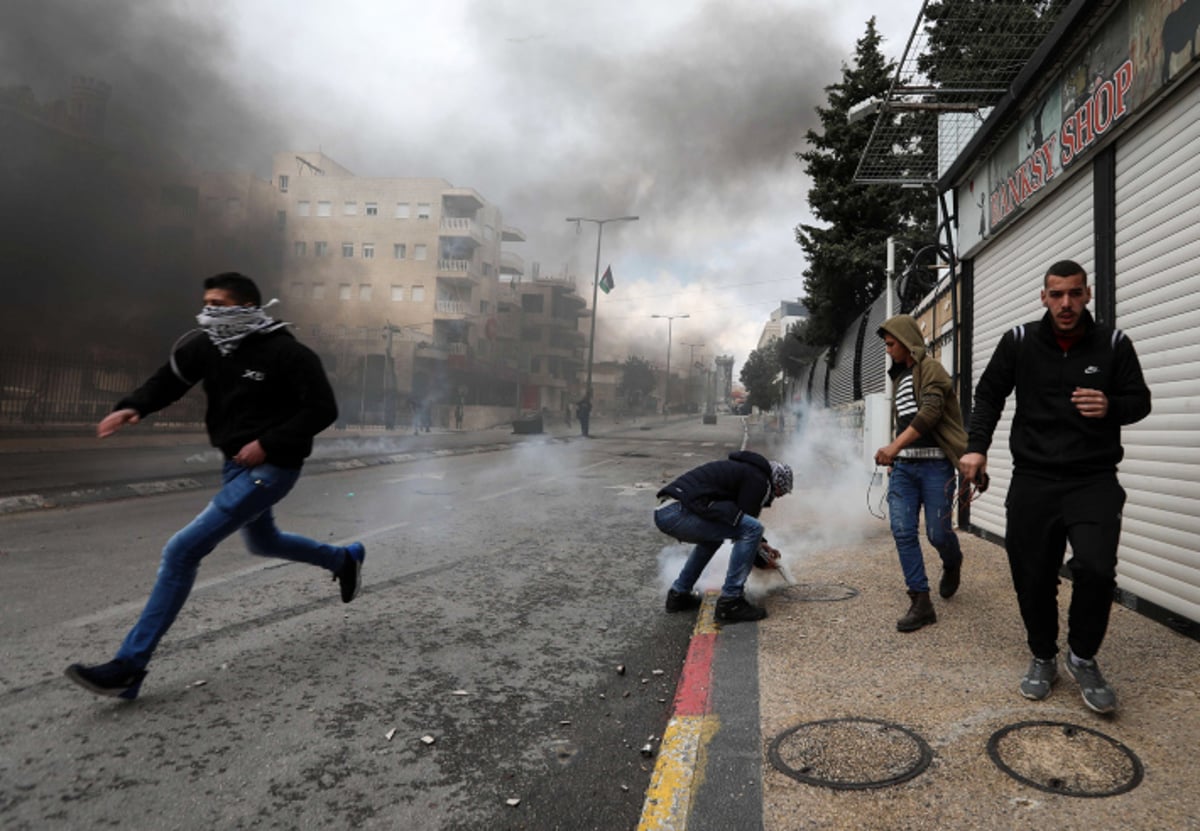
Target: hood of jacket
[{"x": 905, "y": 329}]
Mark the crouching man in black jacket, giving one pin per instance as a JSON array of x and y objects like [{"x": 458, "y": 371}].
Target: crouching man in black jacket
[
  {"x": 267, "y": 397},
  {"x": 712, "y": 503}
]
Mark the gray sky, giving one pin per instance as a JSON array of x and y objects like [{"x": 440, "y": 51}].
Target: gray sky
[{"x": 684, "y": 112}]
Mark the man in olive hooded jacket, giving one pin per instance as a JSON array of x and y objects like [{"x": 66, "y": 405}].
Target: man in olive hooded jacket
[{"x": 923, "y": 457}]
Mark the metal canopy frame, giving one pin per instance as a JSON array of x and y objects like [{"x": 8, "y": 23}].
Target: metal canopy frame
[{"x": 923, "y": 124}]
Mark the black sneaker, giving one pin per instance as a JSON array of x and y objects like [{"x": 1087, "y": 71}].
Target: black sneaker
[
  {"x": 116, "y": 679},
  {"x": 350, "y": 574},
  {"x": 682, "y": 601},
  {"x": 1097, "y": 693},
  {"x": 1039, "y": 678},
  {"x": 738, "y": 610}
]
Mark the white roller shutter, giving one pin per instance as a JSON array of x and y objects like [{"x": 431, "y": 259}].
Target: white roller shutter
[
  {"x": 1158, "y": 307},
  {"x": 1008, "y": 283}
]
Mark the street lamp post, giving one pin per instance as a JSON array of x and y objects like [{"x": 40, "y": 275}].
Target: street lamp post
[
  {"x": 587, "y": 390},
  {"x": 667, "y": 391},
  {"x": 689, "y": 389}
]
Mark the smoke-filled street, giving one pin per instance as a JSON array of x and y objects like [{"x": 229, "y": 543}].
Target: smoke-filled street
[{"x": 509, "y": 644}]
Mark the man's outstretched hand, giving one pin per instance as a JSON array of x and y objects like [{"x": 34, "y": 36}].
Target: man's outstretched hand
[{"x": 115, "y": 420}]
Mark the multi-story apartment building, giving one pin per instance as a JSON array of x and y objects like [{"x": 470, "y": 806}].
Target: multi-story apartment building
[
  {"x": 396, "y": 283},
  {"x": 541, "y": 336}
]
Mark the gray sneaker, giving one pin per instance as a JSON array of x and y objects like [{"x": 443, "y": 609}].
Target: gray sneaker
[
  {"x": 1097, "y": 693},
  {"x": 1039, "y": 678}
]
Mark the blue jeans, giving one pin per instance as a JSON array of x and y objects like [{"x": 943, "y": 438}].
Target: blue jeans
[
  {"x": 243, "y": 503},
  {"x": 928, "y": 482},
  {"x": 676, "y": 521}
]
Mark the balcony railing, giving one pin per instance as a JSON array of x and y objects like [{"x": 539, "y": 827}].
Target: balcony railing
[
  {"x": 455, "y": 266},
  {"x": 451, "y": 307}
]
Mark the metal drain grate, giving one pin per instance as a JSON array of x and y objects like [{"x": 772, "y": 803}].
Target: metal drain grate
[
  {"x": 1066, "y": 759},
  {"x": 850, "y": 753},
  {"x": 817, "y": 592}
]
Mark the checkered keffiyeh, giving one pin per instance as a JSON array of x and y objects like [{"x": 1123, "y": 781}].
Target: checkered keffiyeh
[{"x": 226, "y": 326}]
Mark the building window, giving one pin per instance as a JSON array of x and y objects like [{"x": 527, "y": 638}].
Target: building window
[
  {"x": 347, "y": 249},
  {"x": 281, "y": 219},
  {"x": 418, "y": 294},
  {"x": 399, "y": 250},
  {"x": 422, "y": 210},
  {"x": 401, "y": 210},
  {"x": 298, "y": 289},
  {"x": 324, "y": 208},
  {"x": 302, "y": 208},
  {"x": 397, "y": 294},
  {"x": 368, "y": 250},
  {"x": 372, "y": 209},
  {"x": 318, "y": 291},
  {"x": 350, "y": 209},
  {"x": 344, "y": 291},
  {"x": 419, "y": 251},
  {"x": 283, "y": 183},
  {"x": 320, "y": 248},
  {"x": 299, "y": 247},
  {"x": 484, "y": 307},
  {"x": 364, "y": 291}
]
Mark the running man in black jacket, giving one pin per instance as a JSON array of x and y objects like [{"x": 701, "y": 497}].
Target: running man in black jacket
[
  {"x": 267, "y": 397},
  {"x": 712, "y": 503},
  {"x": 1077, "y": 382}
]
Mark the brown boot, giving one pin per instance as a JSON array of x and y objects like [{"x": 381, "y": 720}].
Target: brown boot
[{"x": 919, "y": 614}]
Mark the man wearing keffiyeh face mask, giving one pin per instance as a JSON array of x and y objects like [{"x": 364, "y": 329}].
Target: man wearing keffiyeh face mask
[{"x": 267, "y": 397}]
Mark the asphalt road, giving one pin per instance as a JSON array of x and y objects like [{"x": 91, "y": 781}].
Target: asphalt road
[{"x": 503, "y": 590}]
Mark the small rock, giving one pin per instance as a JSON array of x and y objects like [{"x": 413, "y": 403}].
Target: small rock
[
  {"x": 388, "y": 735},
  {"x": 620, "y": 669},
  {"x": 199, "y": 683},
  {"x": 427, "y": 739},
  {"x": 513, "y": 801}
]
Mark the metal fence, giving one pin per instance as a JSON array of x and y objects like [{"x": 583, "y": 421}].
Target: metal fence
[{"x": 66, "y": 389}]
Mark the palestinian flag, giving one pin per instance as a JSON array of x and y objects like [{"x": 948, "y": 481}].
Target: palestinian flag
[{"x": 606, "y": 282}]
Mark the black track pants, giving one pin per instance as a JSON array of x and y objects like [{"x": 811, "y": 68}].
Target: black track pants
[{"x": 1042, "y": 517}]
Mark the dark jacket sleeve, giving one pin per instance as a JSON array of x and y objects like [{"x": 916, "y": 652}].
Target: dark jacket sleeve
[
  {"x": 991, "y": 392},
  {"x": 316, "y": 406},
  {"x": 1129, "y": 399},
  {"x": 171, "y": 381}
]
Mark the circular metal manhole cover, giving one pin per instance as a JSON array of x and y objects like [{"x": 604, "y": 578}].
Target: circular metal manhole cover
[
  {"x": 850, "y": 753},
  {"x": 1065, "y": 759},
  {"x": 818, "y": 592}
]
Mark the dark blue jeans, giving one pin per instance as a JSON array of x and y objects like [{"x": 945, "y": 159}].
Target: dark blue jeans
[
  {"x": 676, "y": 521},
  {"x": 243, "y": 503},
  {"x": 913, "y": 484}
]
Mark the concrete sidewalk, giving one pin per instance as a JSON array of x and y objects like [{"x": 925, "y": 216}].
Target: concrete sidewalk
[{"x": 863, "y": 727}]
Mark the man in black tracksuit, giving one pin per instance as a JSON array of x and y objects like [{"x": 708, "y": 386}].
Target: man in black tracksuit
[
  {"x": 1077, "y": 382},
  {"x": 714, "y": 502},
  {"x": 267, "y": 397}
]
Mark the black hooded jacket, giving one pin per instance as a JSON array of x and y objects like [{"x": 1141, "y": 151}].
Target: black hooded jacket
[
  {"x": 271, "y": 388},
  {"x": 724, "y": 490}
]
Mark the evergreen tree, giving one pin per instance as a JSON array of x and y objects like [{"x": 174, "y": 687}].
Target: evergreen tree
[
  {"x": 847, "y": 255},
  {"x": 760, "y": 376},
  {"x": 637, "y": 382}
]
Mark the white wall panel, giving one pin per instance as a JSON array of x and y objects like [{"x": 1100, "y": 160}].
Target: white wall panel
[{"x": 1158, "y": 306}]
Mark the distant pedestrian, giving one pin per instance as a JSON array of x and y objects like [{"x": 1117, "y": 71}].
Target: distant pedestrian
[
  {"x": 267, "y": 397},
  {"x": 712, "y": 503},
  {"x": 1077, "y": 383},
  {"x": 458, "y": 414},
  {"x": 583, "y": 410},
  {"x": 923, "y": 456}
]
